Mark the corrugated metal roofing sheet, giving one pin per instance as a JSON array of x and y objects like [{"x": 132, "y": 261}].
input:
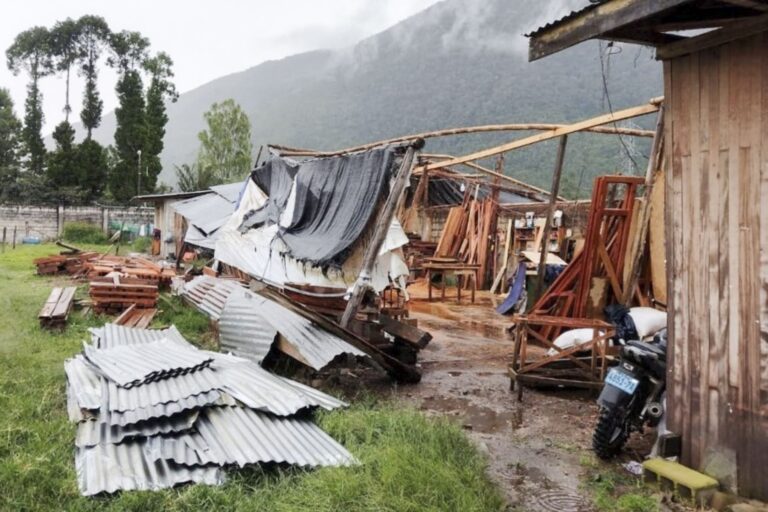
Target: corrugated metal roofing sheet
[
  {"x": 127, "y": 466},
  {"x": 259, "y": 389},
  {"x": 567, "y": 17},
  {"x": 210, "y": 294},
  {"x": 243, "y": 330},
  {"x": 231, "y": 191},
  {"x": 317, "y": 346},
  {"x": 242, "y": 436},
  {"x": 252, "y": 319},
  {"x": 128, "y": 366},
  {"x": 162, "y": 391},
  {"x": 113, "y": 335},
  {"x": 91, "y": 433},
  {"x": 125, "y": 418}
]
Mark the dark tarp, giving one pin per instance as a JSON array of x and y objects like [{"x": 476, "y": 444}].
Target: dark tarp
[
  {"x": 335, "y": 199},
  {"x": 274, "y": 178},
  {"x": 447, "y": 192}
]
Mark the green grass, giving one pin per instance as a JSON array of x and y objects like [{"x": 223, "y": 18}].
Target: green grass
[
  {"x": 408, "y": 462},
  {"x": 84, "y": 233},
  {"x": 616, "y": 492}
]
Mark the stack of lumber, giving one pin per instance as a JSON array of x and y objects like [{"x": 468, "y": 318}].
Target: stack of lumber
[
  {"x": 139, "y": 318},
  {"x": 71, "y": 264},
  {"x": 467, "y": 236},
  {"x": 57, "y": 307},
  {"x": 135, "y": 267},
  {"x": 113, "y": 294}
]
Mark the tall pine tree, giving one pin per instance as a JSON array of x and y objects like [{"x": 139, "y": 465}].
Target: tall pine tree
[
  {"x": 10, "y": 141},
  {"x": 160, "y": 89},
  {"x": 128, "y": 53},
  {"x": 31, "y": 52},
  {"x": 94, "y": 37}
]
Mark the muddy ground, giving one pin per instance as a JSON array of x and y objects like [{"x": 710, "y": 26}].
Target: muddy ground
[{"x": 538, "y": 448}]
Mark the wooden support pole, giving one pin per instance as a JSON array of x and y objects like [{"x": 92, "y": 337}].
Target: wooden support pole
[
  {"x": 652, "y": 106},
  {"x": 380, "y": 233},
  {"x": 550, "y": 213},
  {"x": 645, "y": 214},
  {"x": 14, "y": 238},
  {"x": 5, "y": 229}
]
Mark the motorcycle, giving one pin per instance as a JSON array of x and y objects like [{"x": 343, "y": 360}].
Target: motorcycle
[{"x": 632, "y": 396}]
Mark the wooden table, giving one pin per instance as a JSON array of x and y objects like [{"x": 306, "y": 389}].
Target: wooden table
[{"x": 458, "y": 269}]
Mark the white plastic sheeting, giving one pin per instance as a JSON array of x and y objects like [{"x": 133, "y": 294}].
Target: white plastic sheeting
[{"x": 260, "y": 253}]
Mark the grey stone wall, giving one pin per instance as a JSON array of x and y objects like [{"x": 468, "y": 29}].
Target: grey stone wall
[{"x": 48, "y": 221}]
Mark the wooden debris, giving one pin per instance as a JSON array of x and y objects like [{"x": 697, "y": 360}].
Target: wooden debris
[
  {"x": 113, "y": 294},
  {"x": 56, "y": 309},
  {"x": 136, "y": 317}
]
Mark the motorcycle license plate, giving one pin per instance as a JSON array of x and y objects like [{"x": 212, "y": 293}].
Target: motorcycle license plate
[{"x": 622, "y": 381}]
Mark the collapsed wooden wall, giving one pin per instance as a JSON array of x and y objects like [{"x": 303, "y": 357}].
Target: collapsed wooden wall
[{"x": 717, "y": 215}]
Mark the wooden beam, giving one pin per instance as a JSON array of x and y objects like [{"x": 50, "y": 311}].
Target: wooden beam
[
  {"x": 728, "y": 33},
  {"x": 550, "y": 213},
  {"x": 488, "y": 172},
  {"x": 642, "y": 36},
  {"x": 488, "y": 128},
  {"x": 553, "y": 134},
  {"x": 593, "y": 22},
  {"x": 379, "y": 234}
]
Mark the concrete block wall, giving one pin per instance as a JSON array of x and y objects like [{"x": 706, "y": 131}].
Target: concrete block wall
[{"x": 47, "y": 222}]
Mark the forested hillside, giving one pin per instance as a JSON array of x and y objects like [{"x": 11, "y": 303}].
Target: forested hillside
[{"x": 458, "y": 63}]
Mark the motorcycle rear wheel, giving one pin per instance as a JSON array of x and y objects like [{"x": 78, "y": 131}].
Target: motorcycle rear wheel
[{"x": 610, "y": 434}]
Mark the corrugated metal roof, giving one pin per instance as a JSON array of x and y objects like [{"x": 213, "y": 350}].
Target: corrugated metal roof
[
  {"x": 259, "y": 389},
  {"x": 248, "y": 329},
  {"x": 113, "y": 335},
  {"x": 91, "y": 433},
  {"x": 242, "y": 436},
  {"x": 208, "y": 212},
  {"x": 84, "y": 384},
  {"x": 573, "y": 14},
  {"x": 128, "y": 366},
  {"x": 128, "y": 466},
  {"x": 134, "y": 416},
  {"x": 210, "y": 294},
  {"x": 316, "y": 345},
  {"x": 231, "y": 191},
  {"x": 243, "y": 330},
  {"x": 162, "y": 391}
]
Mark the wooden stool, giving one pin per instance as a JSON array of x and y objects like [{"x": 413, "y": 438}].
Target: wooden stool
[{"x": 461, "y": 276}]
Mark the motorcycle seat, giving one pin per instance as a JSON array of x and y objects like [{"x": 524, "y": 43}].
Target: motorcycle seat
[{"x": 648, "y": 347}]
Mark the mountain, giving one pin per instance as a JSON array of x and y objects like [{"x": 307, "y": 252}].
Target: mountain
[{"x": 457, "y": 63}]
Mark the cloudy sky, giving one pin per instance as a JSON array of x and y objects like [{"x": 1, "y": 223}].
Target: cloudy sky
[{"x": 205, "y": 38}]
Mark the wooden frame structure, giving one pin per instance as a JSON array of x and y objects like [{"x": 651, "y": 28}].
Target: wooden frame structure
[{"x": 565, "y": 367}]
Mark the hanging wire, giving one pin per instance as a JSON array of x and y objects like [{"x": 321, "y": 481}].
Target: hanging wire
[{"x": 611, "y": 49}]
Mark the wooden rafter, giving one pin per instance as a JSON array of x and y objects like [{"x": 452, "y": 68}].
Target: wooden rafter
[{"x": 621, "y": 115}]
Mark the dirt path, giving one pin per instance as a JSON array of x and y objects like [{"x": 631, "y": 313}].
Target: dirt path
[{"x": 536, "y": 448}]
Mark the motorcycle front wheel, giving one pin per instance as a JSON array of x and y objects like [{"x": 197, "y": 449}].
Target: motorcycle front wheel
[{"x": 610, "y": 434}]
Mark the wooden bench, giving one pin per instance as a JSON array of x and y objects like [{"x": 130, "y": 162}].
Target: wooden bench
[{"x": 57, "y": 307}]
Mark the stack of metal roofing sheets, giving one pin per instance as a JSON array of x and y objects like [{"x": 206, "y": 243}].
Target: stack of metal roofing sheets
[
  {"x": 249, "y": 323},
  {"x": 199, "y": 412}
]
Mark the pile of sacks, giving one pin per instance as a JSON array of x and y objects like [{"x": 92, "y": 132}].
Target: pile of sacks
[{"x": 153, "y": 411}]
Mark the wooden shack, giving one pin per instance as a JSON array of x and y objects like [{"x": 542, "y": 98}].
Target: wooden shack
[{"x": 716, "y": 144}]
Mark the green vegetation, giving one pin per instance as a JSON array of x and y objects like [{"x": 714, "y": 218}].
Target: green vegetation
[
  {"x": 409, "y": 462},
  {"x": 616, "y": 492},
  {"x": 83, "y": 232},
  {"x": 225, "y": 149},
  {"x": 77, "y": 173}
]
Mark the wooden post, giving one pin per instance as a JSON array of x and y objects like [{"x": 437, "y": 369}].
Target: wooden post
[
  {"x": 14, "y": 238},
  {"x": 5, "y": 229},
  {"x": 380, "y": 233},
  {"x": 645, "y": 214},
  {"x": 550, "y": 213}
]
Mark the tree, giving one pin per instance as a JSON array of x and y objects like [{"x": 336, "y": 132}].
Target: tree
[
  {"x": 31, "y": 52},
  {"x": 129, "y": 50},
  {"x": 61, "y": 169},
  {"x": 10, "y": 140},
  {"x": 91, "y": 164},
  {"x": 65, "y": 45},
  {"x": 225, "y": 147},
  {"x": 94, "y": 36},
  {"x": 193, "y": 177},
  {"x": 160, "y": 89}
]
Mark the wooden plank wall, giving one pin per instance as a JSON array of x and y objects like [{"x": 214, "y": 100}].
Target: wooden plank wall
[{"x": 717, "y": 251}]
